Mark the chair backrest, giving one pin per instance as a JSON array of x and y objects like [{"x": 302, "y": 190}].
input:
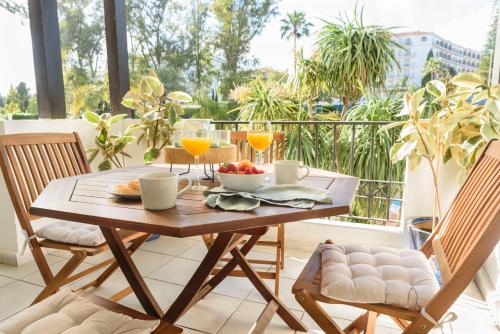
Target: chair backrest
[
  {"x": 30, "y": 161},
  {"x": 276, "y": 150},
  {"x": 469, "y": 231}
]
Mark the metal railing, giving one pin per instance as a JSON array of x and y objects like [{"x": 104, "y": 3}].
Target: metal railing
[{"x": 349, "y": 147}]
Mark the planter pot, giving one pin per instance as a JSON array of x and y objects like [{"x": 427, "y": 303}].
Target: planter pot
[{"x": 420, "y": 229}]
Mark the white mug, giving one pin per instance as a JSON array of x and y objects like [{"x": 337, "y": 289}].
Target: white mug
[
  {"x": 159, "y": 190},
  {"x": 288, "y": 171}
]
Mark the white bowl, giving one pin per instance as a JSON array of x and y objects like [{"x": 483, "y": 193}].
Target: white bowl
[{"x": 241, "y": 182}]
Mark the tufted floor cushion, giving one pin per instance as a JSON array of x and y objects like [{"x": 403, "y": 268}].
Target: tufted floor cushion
[
  {"x": 68, "y": 232},
  {"x": 361, "y": 274},
  {"x": 67, "y": 313}
]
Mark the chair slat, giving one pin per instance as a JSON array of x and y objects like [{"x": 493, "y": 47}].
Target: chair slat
[
  {"x": 59, "y": 159},
  {"x": 39, "y": 163},
  {"x": 35, "y": 173},
  {"x": 19, "y": 183},
  {"x": 54, "y": 166},
  {"x": 72, "y": 158},
  {"x": 66, "y": 159},
  {"x": 44, "y": 154},
  {"x": 21, "y": 159},
  {"x": 472, "y": 211}
]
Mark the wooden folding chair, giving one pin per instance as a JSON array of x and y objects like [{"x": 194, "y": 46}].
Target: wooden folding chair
[
  {"x": 461, "y": 244},
  {"x": 276, "y": 151},
  {"x": 29, "y": 162}
]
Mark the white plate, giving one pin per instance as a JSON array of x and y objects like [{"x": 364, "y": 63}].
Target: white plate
[{"x": 111, "y": 190}]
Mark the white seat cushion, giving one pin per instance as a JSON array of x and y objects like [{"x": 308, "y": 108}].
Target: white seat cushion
[
  {"x": 68, "y": 232},
  {"x": 67, "y": 313},
  {"x": 384, "y": 275}
]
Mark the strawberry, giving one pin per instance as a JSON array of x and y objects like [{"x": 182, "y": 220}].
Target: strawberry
[
  {"x": 249, "y": 171},
  {"x": 259, "y": 171},
  {"x": 232, "y": 167},
  {"x": 230, "y": 172},
  {"x": 254, "y": 170},
  {"x": 241, "y": 172},
  {"x": 223, "y": 169}
]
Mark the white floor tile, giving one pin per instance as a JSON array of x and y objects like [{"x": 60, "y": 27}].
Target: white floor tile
[
  {"x": 25, "y": 269},
  {"x": 177, "y": 271},
  {"x": 16, "y": 297},
  {"x": 237, "y": 287},
  {"x": 6, "y": 280},
  {"x": 169, "y": 246},
  {"x": 164, "y": 293},
  {"x": 285, "y": 294},
  {"x": 245, "y": 316},
  {"x": 148, "y": 262},
  {"x": 196, "y": 252},
  {"x": 210, "y": 313},
  {"x": 36, "y": 277}
]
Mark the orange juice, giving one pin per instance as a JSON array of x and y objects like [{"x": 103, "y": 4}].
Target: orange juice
[
  {"x": 196, "y": 146},
  {"x": 260, "y": 140}
]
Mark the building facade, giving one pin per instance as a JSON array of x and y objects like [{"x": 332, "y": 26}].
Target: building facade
[{"x": 416, "y": 47}]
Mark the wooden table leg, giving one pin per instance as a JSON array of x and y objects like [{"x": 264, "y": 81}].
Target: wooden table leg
[
  {"x": 291, "y": 320},
  {"x": 196, "y": 289},
  {"x": 185, "y": 299},
  {"x": 131, "y": 273}
]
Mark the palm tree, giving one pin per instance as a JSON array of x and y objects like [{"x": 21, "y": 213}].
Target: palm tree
[
  {"x": 308, "y": 81},
  {"x": 295, "y": 26},
  {"x": 356, "y": 56}
]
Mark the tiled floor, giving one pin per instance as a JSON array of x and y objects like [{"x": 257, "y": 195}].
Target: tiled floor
[{"x": 167, "y": 264}]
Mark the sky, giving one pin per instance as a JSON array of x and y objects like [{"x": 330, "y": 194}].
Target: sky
[{"x": 464, "y": 22}]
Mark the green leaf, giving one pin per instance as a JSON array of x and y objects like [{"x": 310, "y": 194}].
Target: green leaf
[
  {"x": 117, "y": 118},
  {"x": 156, "y": 86},
  {"x": 407, "y": 130},
  {"x": 180, "y": 97},
  {"x": 469, "y": 80},
  {"x": 91, "y": 117},
  {"x": 436, "y": 88},
  {"x": 104, "y": 165},
  {"x": 152, "y": 116},
  {"x": 489, "y": 132},
  {"x": 144, "y": 87},
  {"x": 125, "y": 140},
  {"x": 151, "y": 154},
  {"x": 92, "y": 154},
  {"x": 404, "y": 150},
  {"x": 390, "y": 126}
]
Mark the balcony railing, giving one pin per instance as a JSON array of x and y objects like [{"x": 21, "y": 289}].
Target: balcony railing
[{"x": 349, "y": 147}]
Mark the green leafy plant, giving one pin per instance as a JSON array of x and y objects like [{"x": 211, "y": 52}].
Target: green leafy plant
[
  {"x": 260, "y": 100},
  {"x": 356, "y": 56},
  {"x": 110, "y": 146},
  {"x": 468, "y": 118},
  {"x": 158, "y": 112}
]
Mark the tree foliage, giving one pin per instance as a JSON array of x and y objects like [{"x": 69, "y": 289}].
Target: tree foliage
[
  {"x": 295, "y": 26},
  {"x": 237, "y": 23},
  {"x": 357, "y": 56}
]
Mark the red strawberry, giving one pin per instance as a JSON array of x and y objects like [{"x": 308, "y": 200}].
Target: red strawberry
[
  {"x": 241, "y": 172},
  {"x": 230, "y": 172},
  {"x": 249, "y": 171},
  {"x": 223, "y": 169},
  {"x": 232, "y": 167},
  {"x": 254, "y": 170},
  {"x": 259, "y": 171}
]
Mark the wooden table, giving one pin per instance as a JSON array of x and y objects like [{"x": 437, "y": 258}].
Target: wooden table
[{"x": 84, "y": 199}]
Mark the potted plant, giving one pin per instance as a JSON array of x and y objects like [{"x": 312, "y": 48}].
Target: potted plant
[
  {"x": 158, "y": 112},
  {"x": 110, "y": 146},
  {"x": 467, "y": 118}
]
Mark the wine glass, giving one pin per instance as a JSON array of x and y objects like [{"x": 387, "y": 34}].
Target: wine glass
[
  {"x": 195, "y": 138},
  {"x": 260, "y": 136}
]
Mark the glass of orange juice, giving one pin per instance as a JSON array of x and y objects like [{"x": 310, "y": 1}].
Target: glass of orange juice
[
  {"x": 195, "y": 139},
  {"x": 260, "y": 136}
]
